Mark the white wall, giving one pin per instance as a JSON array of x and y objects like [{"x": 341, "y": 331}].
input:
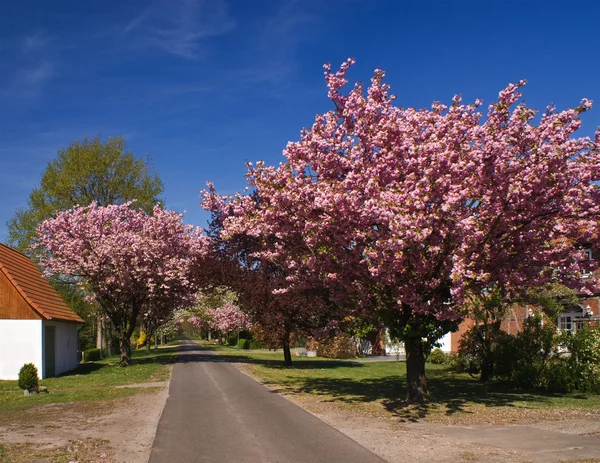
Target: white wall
[
  {"x": 66, "y": 343},
  {"x": 445, "y": 342},
  {"x": 20, "y": 343}
]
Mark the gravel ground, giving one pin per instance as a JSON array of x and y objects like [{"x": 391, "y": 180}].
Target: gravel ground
[{"x": 126, "y": 427}]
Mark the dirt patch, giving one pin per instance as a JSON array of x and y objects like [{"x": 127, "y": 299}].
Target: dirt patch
[
  {"x": 400, "y": 442},
  {"x": 126, "y": 428},
  {"x": 80, "y": 451}
]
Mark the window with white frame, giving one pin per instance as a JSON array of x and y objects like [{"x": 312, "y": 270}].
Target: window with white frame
[
  {"x": 565, "y": 322},
  {"x": 571, "y": 321}
]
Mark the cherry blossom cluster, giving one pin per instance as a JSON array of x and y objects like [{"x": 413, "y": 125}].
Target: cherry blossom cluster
[
  {"x": 131, "y": 262},
  {"x": 199, "y": 323},
  {"x": 417, "y": 208},
  {"x": 227, "y": 318}
]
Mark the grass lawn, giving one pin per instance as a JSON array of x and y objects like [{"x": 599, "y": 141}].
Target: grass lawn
[
  {"x": 93, "y": 381},
  {"x": 378, "y": 388}
]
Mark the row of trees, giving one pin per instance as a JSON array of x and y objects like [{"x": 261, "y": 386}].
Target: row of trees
[{"x": 379, "y": 214}]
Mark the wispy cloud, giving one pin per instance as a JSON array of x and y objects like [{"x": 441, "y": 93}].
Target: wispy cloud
[
  {"x": 29, "y": 80},
  {"x": 180, "y": 27},
  {"x": 37, "y": 40},
  {"x": 279, "y": 36},
  {"x": 33, "y": 62},
  {"x": 36, "y": 75}
]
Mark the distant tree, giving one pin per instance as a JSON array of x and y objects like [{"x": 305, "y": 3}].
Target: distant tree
[
  {"x": 86, "y": 171},
  {"x": 276, "y": 312},
  {"x": 131, "y": 261}
]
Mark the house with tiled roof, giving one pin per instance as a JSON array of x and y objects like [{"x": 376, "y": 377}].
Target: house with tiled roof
[
  {"x": 36, "y": 325},
  {"x": 572, "y": 318}
]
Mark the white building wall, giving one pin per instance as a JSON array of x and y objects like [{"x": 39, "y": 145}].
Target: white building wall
[
  {"x": 66, "y": 344},
  {"x": 446, "y": 342},
  {"x": 20, "y": 343}
]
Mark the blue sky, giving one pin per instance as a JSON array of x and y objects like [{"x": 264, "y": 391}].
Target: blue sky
[{"x": 204, "y": 86}]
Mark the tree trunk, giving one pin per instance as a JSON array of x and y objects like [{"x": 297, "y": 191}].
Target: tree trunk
[
  {"x": 287, "y": 354},
  {"x": 99, "y": 328},
  {"x": 125, "y": 346},
  {"x": 415, "y": 371},
  {"x": 156, "y": 342},
  {"x": 487, "y": 370},
  {"x": 377, "y": 339},
  {"x": 108, "y": 338}
]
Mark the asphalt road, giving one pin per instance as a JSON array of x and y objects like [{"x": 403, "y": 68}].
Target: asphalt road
[{"x": 215, "y": 413}]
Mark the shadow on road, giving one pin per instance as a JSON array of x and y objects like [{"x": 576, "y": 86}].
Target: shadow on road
[{"x": 197, "y": 353}]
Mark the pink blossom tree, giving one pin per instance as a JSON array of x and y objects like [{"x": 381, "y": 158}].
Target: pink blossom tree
[
  {"x": 227, "y": 318},
  {"x": 200, "y": 323},
  {"x": 403, "y": 212},
  {"x": 131, "y": 261},
  {"x": 278, "y": 313}
]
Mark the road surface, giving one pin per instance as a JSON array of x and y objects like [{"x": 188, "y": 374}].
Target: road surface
[{"x": 215, "y": 413}]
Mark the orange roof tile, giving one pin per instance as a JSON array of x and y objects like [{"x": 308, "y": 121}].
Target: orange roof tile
[{"x": 35, "y": 289}]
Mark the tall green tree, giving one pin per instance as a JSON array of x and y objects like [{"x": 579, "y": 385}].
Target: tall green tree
[{"x": 86, "y": 171}]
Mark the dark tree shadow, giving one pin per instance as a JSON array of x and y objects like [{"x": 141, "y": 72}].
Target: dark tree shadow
[
  {"x": 196, "y": 353},
  {"x": 84, "y": 369},
  {"x": 449, "y": 391},
  {"x": 453, "y": 392}
]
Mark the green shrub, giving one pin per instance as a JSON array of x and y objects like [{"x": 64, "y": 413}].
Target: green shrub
[
  {"x": 253, "y": 344},
  {"x": 558, "y": 377},
  {"x": 91, "y": 355},
  {"x": 583, "y": 358},
  {"x": 534, "y": 345},
  {"x": 437, "y": 357},
  {"x": 232, "y": 339},
  {"x": 28, "y": 376},
  {"x": 244, "y": 344}
]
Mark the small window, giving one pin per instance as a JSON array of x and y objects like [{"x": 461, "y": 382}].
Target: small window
[{"x": 565, "y": 323}]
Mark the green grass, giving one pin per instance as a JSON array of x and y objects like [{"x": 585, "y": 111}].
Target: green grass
[
  {"x": 379, "y": 387},
  {"x": 93, "y": 381}
]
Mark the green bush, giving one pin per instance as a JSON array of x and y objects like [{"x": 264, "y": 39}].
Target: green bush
[
  {"x": 582, "y": 356},
  {"x": 91, "y": 355},
  {"x": 539, "y": 358},
  {"x": 253, "y": 344},
  {"x": 558, "y": 377},
  {"x": 28, "y": 376},
  {"x": 437, "y": 357},
  {"x": 534, "y": 345},
  {"x": 244, "y": 344}
]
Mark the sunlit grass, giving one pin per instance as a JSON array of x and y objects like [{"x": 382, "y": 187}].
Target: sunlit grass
[
  {"x": 93, "y": 381},
  {"x": 379, "y": 388}
]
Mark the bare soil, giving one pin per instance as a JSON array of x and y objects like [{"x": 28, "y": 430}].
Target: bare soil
[{"x": 72, "y": 430}]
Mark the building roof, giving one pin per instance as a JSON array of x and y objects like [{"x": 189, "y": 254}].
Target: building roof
[{"x": 35, "y": 289}]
